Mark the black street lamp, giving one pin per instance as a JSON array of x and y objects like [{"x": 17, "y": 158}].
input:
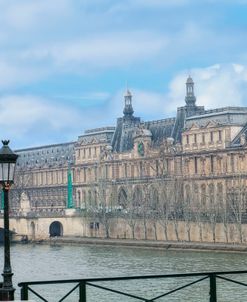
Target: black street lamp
[{"x": 7, "y": 169}]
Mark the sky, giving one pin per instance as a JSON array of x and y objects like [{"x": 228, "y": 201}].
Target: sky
[{"x": 66, "y": 64}]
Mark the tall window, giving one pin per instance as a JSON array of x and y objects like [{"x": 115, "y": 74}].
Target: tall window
[
  {"x": 219, "y": 193},
  {"x": 84, "y": 174},
  {"x": 211, "y": 136},
  {"x": 195, "y": 138},
  {"x": 220, "y": 135},
  {"x": 113, "y": 171},
  {"x": 187, "y": 139},
  {"x": 232, "y": 162},
  {"x": 78, "y": 198},
  {"x": 196, "y": 170},
  {"x": 203, "y": 194},
  {"x": 203, "y": 138},
  {"x": 141, "y": 168},
  {"x": 125, "y": 170},
  {"x": 106, "y": 171},
  {"x": 132, "y": 171},
  {"x": 157, "y": 167},
  {"x": 117, "y": 170},
  {"x": 211, "y": 163},
  {"x": 211, "y": 193},
  {"x": 95, "y": 173}
]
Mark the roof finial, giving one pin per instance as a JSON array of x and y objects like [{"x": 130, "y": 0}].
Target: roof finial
[
  {"x": 190, "y": 98},
  {"x": 128, "y": 109}
]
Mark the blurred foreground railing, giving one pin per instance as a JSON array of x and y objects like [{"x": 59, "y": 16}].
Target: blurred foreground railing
[{"x": 81, "y": 285}]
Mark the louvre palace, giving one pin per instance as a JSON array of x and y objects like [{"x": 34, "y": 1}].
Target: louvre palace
[{"x": 197, "y": 157}]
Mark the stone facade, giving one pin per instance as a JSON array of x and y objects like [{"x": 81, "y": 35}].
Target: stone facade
[{"x": 197, "y": 158}]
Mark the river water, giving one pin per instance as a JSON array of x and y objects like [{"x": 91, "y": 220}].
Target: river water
[{"x": 45, "y": 262}]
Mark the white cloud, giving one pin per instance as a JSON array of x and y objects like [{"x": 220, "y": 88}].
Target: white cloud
[
  {"x": 102, "y": 51},
  {"x": 215, "y": 86},
  {"x": 30, "y": 119},
  {"x": 26, "y": 14}
]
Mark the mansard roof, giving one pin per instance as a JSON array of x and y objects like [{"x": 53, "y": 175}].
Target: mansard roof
[
  {"x": 220, "y": 116},
  {"x": 97, "y": 136},
  {"x": 46, "y": 156}
]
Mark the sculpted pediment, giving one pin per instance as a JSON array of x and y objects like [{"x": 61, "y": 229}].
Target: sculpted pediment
[
  {"x": 211, "y": 124},
  {"x": 194, "y": 126}
]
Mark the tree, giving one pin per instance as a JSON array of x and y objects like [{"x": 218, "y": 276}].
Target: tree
[{"x": 236, "y": 203}]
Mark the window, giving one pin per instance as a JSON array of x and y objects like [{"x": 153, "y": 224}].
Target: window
[
  {"x": 187, "y": 139},
  {"x": 220, "y": 135},
  {"x": 211, "y": 193},
  {"x": 232, "y": 162},
  {"x": 113, "y": 171},
  {"x": 84, "y": 174},
  {"x": 196, "y": 170},
  {"x": 212, "y": 163},
  {"x": 95, "y": 173},
  {"x": 195, "y": 138},
  {"x": 141, "y": 169},
  {"x": 132, "y": 171},
  {"x": 203, "y": 138},
  {"x": 125, "y": 170},
  {"x": 211, "y": 137},
  {"x": 157, "y": 167},
  {"x": 106, "y": 171},
  {"x": 167, "y": 165},
  {"x": 203, "y": 194},
  {"x": 117, "y": 170}
]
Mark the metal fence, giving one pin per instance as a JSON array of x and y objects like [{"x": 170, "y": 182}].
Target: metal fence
[{"x": 80, "y": 286}]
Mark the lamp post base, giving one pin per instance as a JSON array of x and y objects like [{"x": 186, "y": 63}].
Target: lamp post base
[{"x": 6, "y": 293}]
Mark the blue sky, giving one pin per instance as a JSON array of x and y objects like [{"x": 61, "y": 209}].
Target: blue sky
[{"x": 65, "y": 64}]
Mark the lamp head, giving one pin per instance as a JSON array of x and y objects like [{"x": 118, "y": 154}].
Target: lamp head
[{"x": 7, "y": 164}]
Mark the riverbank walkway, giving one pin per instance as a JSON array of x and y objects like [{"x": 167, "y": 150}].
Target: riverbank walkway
[{"x": 164, "y": 245}]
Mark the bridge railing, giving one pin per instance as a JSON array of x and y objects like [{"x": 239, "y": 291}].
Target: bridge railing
[{"x": 81, "y": 285}]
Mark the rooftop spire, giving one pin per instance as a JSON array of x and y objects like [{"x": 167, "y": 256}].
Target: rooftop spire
[
  {"x": 128, "y": 109},
  {"x": 190, "y": 98}
]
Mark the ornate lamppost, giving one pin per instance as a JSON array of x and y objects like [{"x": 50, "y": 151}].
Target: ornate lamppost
[{"x": 7, "y": 169}]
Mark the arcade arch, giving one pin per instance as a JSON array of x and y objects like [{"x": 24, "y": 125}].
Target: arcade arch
[{"x": 56, "y": 229}]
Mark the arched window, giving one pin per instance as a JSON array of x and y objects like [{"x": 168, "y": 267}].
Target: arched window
[
  {"x": 211, "y": 193},
  {"x": 154, "y": 199},
  {"x": 122, "y": 198},
  {"x": 187, "y": 194},
  {"x": 137, "y": 197},
  {"x": 219, "y": 193},
  {"x": 203, "y": 194}
]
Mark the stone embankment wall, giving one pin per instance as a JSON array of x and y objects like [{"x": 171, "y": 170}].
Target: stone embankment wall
[{"x": 39, "y": 228}]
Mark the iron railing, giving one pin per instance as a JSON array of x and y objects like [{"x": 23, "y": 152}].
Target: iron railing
[{"x": 81, "y": 285}]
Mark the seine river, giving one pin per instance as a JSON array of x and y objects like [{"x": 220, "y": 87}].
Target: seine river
[{"x": 45, "y": 262}]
